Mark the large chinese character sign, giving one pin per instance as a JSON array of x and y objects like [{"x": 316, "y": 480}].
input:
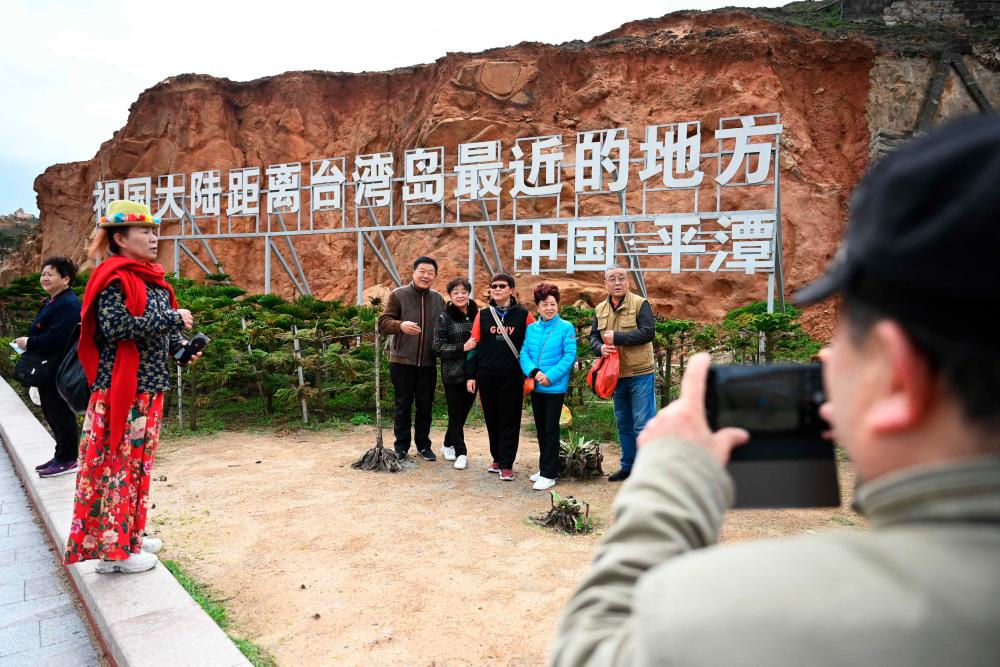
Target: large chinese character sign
[{"x": 655, "y": 199}]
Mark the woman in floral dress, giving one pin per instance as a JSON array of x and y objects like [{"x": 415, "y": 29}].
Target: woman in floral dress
[{"x": 130, "y": 329}]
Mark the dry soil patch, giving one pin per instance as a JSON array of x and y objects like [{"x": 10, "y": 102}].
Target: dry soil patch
[{"x": 322, "y": 564}]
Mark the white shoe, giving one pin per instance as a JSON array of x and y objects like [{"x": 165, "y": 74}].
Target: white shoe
[
  {"x": 139, "y": 562},
  {"x": 537, "y": 476},
  {"x": 448, "y": 453},
  {"x": 151, "y": 545},
  {"x": 461, "y": 462},
  {"x": 543, "y": 483}
]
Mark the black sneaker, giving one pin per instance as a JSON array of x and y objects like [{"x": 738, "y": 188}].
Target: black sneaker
[
  {"x": 428, "y": 455},
  {"x": 46, "y": 464},
  {"x": 400, "y": 456},
  {"x": 619, "y": 476}
]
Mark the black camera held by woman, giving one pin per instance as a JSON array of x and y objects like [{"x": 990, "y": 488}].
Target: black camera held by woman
[{"x": 194, "y": 346}]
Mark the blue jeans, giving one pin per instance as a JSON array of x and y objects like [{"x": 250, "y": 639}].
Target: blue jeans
[{"x": 635, "y": 404}]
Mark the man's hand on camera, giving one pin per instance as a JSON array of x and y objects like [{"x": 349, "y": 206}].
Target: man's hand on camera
[{"x": 685, "y": 418}]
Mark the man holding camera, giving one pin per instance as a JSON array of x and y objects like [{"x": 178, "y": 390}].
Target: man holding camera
[
  {"x": 913, "y": 388},
  {"x": 624, "y": 324}
]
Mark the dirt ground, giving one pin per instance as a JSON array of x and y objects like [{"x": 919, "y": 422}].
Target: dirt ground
[{"x": 322, "y": 564}]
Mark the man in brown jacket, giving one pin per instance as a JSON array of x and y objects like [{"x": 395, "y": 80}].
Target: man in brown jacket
[
  {"x": 913, "y": 383},
  {"x": 409, "y": 317}
]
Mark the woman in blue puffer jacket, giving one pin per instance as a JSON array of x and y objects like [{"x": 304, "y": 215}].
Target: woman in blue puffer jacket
[{"x": 547, "y": 355}]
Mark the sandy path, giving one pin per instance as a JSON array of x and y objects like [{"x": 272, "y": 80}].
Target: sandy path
[{"x": 323, "y": 565}]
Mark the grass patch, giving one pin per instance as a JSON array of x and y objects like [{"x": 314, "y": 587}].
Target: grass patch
[
  {"x": 594, "y": 421},
  {"x": 255, "y": 653}
]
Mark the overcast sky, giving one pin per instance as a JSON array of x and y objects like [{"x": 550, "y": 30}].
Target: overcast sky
[{"x": 69, "y": 70}]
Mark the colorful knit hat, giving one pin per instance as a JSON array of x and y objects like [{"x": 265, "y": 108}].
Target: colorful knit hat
[{"x": 124, "y": 213}]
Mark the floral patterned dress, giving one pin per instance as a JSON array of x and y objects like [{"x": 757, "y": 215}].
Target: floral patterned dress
[
  {"x": 112, "y": 490},
  {"x": 112, "y": 487}
]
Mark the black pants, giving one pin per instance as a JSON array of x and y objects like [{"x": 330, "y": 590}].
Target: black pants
[
  {"x": 547, "y": 409},
  {"x": 62, "y": 419},
  {"x": 459, "y": 403},
  {"x": 501, "y": 397},
  {"x": 413, "y": 384}
]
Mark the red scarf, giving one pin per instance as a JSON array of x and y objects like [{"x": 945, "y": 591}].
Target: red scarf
[{"x": 125, "y": 374}]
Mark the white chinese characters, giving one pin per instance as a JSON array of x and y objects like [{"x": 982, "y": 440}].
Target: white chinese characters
[
  {"x": 640, "y": 178},
  {"x": 283, "y": 182},
  {"x": 373, "y": 180}
]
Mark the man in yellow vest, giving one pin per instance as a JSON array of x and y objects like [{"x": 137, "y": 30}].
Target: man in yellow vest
[{"x": 624, "y": 324}]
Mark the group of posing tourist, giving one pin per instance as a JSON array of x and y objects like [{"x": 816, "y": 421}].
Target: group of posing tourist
[
  {"x": 130, "y": 328},
  {"x": 501, "y": 352}
]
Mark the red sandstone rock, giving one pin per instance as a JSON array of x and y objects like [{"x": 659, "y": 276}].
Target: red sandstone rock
[{"x": 685, "y": 66}]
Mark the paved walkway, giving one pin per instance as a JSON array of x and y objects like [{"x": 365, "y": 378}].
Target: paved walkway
[{"x": 39, "y": 624}]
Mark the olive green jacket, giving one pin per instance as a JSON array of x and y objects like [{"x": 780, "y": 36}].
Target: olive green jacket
[{"x": 921, "y": 588}]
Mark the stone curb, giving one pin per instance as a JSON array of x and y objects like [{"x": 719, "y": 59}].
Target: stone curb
[{"x": 139, "y": 619}]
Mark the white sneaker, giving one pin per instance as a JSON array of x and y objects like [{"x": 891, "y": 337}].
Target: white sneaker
[
  {"x": 151, "y": 545},
  {"x": 543, "y": 483},
  {"x": 448, "y": 453},
  {"x": 461, "y": 462},
  {"x": 536, "y": 476},
  {"x": 139, "y": 562}
]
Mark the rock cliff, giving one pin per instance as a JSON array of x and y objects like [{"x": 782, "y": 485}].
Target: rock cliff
[{"x": 684, "y": 66}]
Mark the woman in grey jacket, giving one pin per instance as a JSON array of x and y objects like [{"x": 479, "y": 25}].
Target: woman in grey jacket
[{"x": 452, "y": 340}]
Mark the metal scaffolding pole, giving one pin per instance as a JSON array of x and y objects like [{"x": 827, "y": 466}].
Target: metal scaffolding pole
[
  {"x": 195, "y": 259},
  {"x": 204, "y": 242},
  {"x": 288, "y": 269},
  {"x": 491, "y": 236},
  {"x": 385, "y": 257},
  {"x": 303, "y": 281}
]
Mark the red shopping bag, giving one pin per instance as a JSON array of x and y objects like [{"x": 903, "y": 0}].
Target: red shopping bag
[{"x": 603, "y": 375}]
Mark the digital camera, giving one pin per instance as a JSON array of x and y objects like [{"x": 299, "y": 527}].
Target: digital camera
[{"x": 787, "y": 462}]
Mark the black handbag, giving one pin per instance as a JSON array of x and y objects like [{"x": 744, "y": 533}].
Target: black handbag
[
  {"x": 71, "y": 381},
  {"x": 33, "y": 370}
]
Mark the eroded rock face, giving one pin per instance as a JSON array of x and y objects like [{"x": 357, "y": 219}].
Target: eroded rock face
[{"x": 684, "y": 66}]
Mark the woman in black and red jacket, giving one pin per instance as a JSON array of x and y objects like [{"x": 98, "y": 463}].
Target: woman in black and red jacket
[{"x": 494, "y": 369}]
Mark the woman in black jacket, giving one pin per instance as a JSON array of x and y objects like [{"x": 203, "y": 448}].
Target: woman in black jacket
[
  {"x": 494, "y": 369},
  {"x": 452, "y": 340},
  {"x": 49, "y": 334}
]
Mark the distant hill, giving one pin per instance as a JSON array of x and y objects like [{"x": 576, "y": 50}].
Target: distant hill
[{"x": 14, "y": 227}]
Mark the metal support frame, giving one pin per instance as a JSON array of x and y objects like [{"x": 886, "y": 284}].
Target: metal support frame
[
  {"x": 272, "y": 247},
  {"x": 304, "y": 282}
]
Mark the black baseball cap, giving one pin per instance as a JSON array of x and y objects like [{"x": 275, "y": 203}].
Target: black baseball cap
[{"x": 923, "y": 241}]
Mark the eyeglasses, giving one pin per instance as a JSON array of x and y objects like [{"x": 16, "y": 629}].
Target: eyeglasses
[
  {"x": 616, "y": 279},
  {"x": 499, "y": 286}
]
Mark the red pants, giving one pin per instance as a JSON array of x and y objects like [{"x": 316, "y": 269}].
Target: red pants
[{"x": 112, "y": 487}]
